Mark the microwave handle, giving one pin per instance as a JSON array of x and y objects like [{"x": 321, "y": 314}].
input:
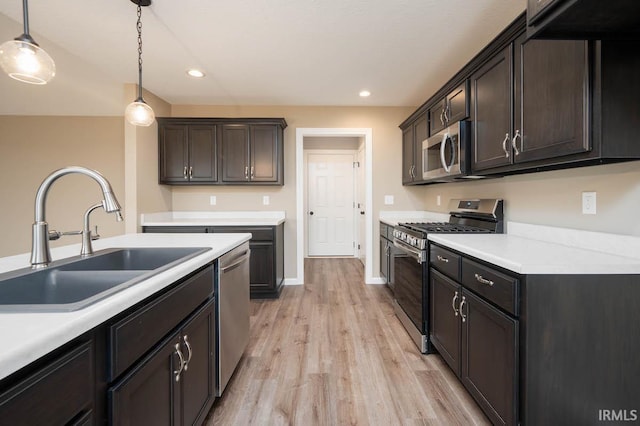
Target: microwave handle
[{"x": 445, "y": 166}]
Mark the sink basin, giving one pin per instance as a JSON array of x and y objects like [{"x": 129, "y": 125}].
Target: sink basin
[{"x": 75, "y": 283}]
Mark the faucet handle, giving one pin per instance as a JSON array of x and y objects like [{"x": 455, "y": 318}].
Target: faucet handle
[
  {"x": 95, "y": 235},
  {"x": 55, "y": 235}
]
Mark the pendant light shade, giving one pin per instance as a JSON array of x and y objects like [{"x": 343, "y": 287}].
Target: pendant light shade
[
  {"x": 138, "y": 112},
  {"x": 23, "y": 60}
]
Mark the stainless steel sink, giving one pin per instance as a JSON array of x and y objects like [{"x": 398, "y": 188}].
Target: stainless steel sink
[{"x": 75, "y": 283}]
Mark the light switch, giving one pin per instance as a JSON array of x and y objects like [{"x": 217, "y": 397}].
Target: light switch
[
  {"x": 265, "y": 200},
  {"x": 213, "y": 200},
  {"x": 388, "y": 200}
]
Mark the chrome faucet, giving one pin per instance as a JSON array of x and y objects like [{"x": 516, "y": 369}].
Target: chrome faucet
[
  {"x": 40, "y": 252},
  {"x": 87, "y": 236}
]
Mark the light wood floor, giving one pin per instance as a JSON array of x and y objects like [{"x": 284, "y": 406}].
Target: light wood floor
[{"x": 332, "y": 352}]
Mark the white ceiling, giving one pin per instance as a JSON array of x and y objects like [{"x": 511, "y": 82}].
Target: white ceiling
[{"x": 266, "y": 52}]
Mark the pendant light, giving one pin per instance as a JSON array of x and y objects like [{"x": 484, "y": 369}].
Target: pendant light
[
  {"x": 22, "y": 59},
  {"x": 138, "y": 112}
]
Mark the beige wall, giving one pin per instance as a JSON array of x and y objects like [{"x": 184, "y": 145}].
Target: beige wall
[
  {"x": 387, "y": 162},
  {"x": 555, "y": 198},
  {"x": 31, "y": 148}
]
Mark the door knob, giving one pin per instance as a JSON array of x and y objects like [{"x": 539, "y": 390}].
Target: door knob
[{"x": 311, "y": 213}]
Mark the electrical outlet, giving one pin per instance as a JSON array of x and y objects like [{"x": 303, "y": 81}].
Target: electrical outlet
[
  {"x": 213, "y": 200},
  {"x": 438, "y": 200},
  {"x": 588, "y": 203},
  {"x": 265, "y": 200},
  {"x": 388, "y": 200}
]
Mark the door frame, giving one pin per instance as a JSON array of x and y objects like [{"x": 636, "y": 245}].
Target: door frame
[
  {"x": 365, "y": 133},
  {"x": 306, "y": 153}
]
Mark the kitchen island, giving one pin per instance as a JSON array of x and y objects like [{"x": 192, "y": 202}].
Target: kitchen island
[{"x": 37, "y": 346}]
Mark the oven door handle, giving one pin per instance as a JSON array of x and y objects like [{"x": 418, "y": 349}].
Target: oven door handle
[{"x": 415, "y": 253}]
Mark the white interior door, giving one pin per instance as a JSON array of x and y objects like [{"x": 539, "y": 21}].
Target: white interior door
[
  {"x": 360, "y": 205},
  {"x": 330, "y": 204}
]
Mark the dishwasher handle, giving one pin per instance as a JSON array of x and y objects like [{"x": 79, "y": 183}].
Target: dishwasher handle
[{"x": 241, "y": 259}]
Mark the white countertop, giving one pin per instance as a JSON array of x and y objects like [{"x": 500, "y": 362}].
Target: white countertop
[
  {"x": 25, "y": 337},
  {"x": 217, "y": 218},
  {"x": 394, "y": 217},
  {"x": 534, "y": 249}
]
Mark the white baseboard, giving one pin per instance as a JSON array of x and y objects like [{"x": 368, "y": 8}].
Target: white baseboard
[
  {"x": 376, "y": 280},
  {"x": 293, "y": 281}
]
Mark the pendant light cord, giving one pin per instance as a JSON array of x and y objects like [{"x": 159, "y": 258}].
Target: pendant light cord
[{"x": 139, "y": 27}]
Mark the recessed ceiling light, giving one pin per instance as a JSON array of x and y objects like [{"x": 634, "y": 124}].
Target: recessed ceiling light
[
  {"x": 365, "y": 93},
  {"x": 195, "y": 73}
]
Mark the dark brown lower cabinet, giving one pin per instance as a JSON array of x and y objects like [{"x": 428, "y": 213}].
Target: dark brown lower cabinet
[
  {"x": 173, "y": 385},
  {"x": 36, "y": 399},
  {"x": 267, "y": 253},
  {"x": 480, "y": 344}
]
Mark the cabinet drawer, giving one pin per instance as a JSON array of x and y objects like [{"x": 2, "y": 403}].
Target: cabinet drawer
[
  {"x": 134, "y": 335},
  {"x": 445, "y": 261},
  {"x": 496, "y": 287},
  {"x": 38, "y": 400},
  {"x": 257, "y": 233}
]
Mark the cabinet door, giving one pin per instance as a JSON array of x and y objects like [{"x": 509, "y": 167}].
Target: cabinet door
[
  {"x": 174, "y": 153},
  {"x": 203, "y": 155},
  {"x": 490, "y": 359},
  {"x": 408, "y": 155},
  {"x": 457, "y": 107},
  {"x": 437, "y": 120},
  {"x": 261, "y": 267},
  {"x": 198, "y": 381},
  {"x": 235, "y": 153},
  {"x": 551, "y": 99},
  {"x": 420, "y": 133},
  {"x": 445, "y": 321},
  {"x": 149, "y": 393},
  {"x": 264, "y": 153},
  {"x": 491, "y": 89}
]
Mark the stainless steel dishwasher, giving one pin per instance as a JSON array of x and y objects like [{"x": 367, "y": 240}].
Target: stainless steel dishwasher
[{"x": 232, "y": 308}]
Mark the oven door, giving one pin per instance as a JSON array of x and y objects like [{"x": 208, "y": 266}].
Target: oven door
[
  {"x": 441, "y": 154},
  {"x": 410, "y": 266}
]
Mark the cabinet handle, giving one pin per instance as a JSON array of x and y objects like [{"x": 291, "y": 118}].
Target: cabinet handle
[
  {"x": 179, "y": 353},
  {"x": 184, "y": 172},
  {"x": 246, "y": 172},
  {"x": 447, "y": 111},
  {"x": 186, "y": 343},
  {"x": 252, "y": 174},
  {"x": 190, "y": 172},
  {"x": 462, "y": 315},
  {"x": 504, "y": 145},
  {"x": 514, "y": 144},
  {"x": 483, "y": 280},
  {"x": 453, "y": 304},
  {"x": 443, "y": 259}
]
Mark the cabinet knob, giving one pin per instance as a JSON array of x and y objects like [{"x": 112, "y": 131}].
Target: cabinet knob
[{"x": 311, "y": 213}]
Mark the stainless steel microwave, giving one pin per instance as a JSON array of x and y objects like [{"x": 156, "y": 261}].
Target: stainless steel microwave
[{"x": 444, "y": 154}]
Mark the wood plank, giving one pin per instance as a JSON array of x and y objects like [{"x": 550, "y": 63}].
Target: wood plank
[{"x": 333, "y": 352}]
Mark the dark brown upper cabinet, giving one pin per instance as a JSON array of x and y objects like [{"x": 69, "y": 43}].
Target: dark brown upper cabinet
[
  {"x": 251, "y": 153},
  {"x": 244, "y": 151},
  {"x": 583, "y": 19},
  {"x": 187, "y": 153},
  {"x": 453, "y": 107},
  {"x": 412, "y": 136},
  {"x": 530, "y": 102}
]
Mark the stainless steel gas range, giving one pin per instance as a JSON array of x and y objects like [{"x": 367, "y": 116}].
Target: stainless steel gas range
[{"x": 411, "y": 259}]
